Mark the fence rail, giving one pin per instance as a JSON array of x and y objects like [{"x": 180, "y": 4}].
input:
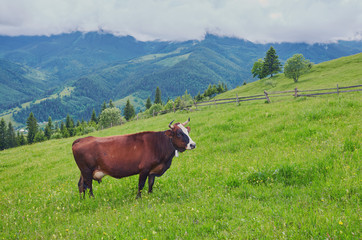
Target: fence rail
[{"x": 267, "y": 95}]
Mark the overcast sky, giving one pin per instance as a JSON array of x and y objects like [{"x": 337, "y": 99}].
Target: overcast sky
[{"x": 178, "y": 20}]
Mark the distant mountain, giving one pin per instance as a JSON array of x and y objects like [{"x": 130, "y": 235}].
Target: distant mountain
[
  {"x": 19, "y": 83},
  {"x": 99, "y": 66}
]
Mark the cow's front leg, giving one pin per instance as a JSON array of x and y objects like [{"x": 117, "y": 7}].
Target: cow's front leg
[
  {"x": 141, "y": 183},
  {"x": 151, "y": 181}
]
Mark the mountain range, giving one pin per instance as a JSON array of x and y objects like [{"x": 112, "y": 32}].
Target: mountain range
[{"x": 76, "y": 72}]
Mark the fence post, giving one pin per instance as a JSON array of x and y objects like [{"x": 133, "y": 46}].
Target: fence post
[
  {"x": 295, "y": 92},
  {"x": 137, "y": 116},
  {"x": 215, "y": 101},
  {"x": 174, "y": 110},
  {"x": 195, "y": 104},
  {"x": 266, "y": 96},
  {"x": 237, "y": 98},
  {"x": 153, "y": 114},
  {"x": 337, "y": 89}
]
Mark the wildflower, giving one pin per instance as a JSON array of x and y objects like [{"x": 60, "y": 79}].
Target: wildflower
[{"x": 340, "y": 222}]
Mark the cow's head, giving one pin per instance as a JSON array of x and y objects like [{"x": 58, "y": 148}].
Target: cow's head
[{"x": 179, "y": 135}]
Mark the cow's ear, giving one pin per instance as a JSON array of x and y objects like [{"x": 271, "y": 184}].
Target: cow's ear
[
  {"x": 188, "y": 129},
  {"x": 169, "y": 133}
]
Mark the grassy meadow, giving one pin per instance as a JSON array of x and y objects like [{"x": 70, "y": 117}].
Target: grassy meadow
[{"x": 290, "y": 169}]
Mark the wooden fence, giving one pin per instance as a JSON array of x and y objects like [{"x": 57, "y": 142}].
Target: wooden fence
[{"x": 268, "y": 95}]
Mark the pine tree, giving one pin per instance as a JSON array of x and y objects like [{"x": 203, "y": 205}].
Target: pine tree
[
  {"x": 148, "y": 103},
  {"x": 10, "y": 136},
  {"x": 2, "y": 134},
  {"x": 94, "y": 117},
  {"x": 47, "y": 132},
  {"x": 22, "y": 139},
  {"x": 271, "y": 64},
  {"x": 111, "y": 105},
  {"x": 48, "y": 128},
  {"x": 32, "y": 126},
  {"x": 104, "y": 106},
  {"x": 50, "y": 123},
  {"x": 158, "y": 99},
  {"x": 220, "y": 88},
  {"x": 128, "y": 111},
  {"x": 69, "y": 124}
]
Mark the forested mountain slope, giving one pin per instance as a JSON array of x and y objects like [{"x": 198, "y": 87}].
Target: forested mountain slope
[{"x": 100, "y": 66}]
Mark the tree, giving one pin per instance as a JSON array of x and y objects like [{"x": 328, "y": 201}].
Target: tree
[
  {"x": 94, "y": 117},
  {"x": 10, "y": 136},
  {"x": 220, "y": 88},
  {"x": 148, "y": 103},
  {"x": 39, "y": 136},
  {"x": 48, "y": 128},
  {"x": 32, "y": 126},
  {"x": 169, "y": 105},
  {"x": 155, "y": 108},
  {"x": 50, "y": 123},
  {"x": 110, "y": 117},
  {"x": 47, "y": 132},
  {"x": 2, "y": 134},
  {"x": 271, "y": 64},
  {"x": 158, "y": 99},
  {"x": 111, "y": 105},
  {"x": 198, "y": 97},
  {"x": 69, "y": 124},
  {"x": 128, "y": 111},
  {"x": 257, "y": 69},
  {"x": 21, "y": 139},
  {"x": 296, "y": 66},
  {"x": 104, "y": 106},
  {"x": 186, "y": 100}
]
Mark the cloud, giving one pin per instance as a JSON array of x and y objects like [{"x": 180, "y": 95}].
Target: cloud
[{"x": 178, "y": 20}]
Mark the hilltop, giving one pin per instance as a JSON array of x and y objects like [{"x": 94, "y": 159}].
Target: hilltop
[
  {"x": 98, "y": 67},
  {"x": 345, "y": 71}
]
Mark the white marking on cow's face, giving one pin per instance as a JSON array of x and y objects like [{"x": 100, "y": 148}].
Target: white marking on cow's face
[{"x": 191, "y": 144}]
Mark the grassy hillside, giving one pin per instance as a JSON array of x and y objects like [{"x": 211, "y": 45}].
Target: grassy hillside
[
  {"x": 290, "y": 169},
  {"x": 345, "y": 71}
]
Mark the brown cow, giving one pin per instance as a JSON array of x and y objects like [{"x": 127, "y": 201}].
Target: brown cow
[{"x": 148, "y": 154}]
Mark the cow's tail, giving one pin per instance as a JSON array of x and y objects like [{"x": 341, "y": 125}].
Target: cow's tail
[{"x": 82, "y": 186}]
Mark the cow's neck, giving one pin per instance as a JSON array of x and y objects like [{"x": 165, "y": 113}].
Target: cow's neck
[{"x": 175, "y": 150}]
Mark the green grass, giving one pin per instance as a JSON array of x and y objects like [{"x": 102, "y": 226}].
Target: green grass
[
  {"x": 345, "y": 71},
  {"x": 286, "y": 170}
]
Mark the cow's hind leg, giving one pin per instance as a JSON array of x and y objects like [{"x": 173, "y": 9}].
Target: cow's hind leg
[
  {"x": 88, "y": 178},
  {"x": 151, "y": 181},
  {"x": 141, "y": 183},
  {"x": 81, "y": 186}
]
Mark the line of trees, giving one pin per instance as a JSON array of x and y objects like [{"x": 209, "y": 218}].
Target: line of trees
[
  {"x": 110, "y": 116},
  {"x": 180, "y": 102},
  {"x": 8, "y": 138},
  {"x": 294, "y": 67}
]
